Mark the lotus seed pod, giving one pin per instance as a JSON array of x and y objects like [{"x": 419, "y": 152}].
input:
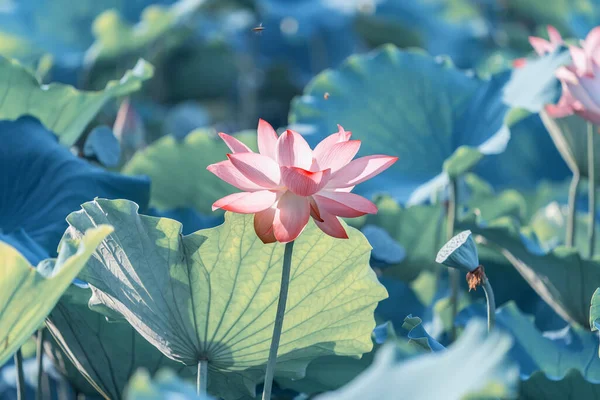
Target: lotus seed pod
[{"x": 459, "y": 252}]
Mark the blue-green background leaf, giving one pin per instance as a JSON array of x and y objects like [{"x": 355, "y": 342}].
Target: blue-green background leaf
[
  {"x": 406, "y": 104},
  {"x": 562, "y": 356},
  {"x": 42, "y": 182}
]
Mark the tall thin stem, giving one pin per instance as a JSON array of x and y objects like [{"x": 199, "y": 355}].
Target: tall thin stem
[
  {"x": 570, "y": 237},
  {"x": 453, "y": 273},
  {"x": 39, "y": 362},
  {"x": 64, "y": 391},
  {"x": 491, "y": 303},
  {"x": 283, "y": 292},
  {"x": 591, "y": 191},
  {"x": 202, "y": 379},
  {"x": 20, "y": 375}
]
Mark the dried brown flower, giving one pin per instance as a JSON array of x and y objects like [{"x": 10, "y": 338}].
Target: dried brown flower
[{"x": 475, "y": 278}]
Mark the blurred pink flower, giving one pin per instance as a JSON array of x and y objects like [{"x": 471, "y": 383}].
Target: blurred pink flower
[
  {"x": 519, "y": 62},
  {"x": 580, "y": 81},
  {"x": 543, "y": 46},
  {"x": 286, "y": 183}
]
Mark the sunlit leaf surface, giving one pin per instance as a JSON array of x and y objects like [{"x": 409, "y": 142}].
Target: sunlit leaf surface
[
  {"x": 27, "y": 297},
  {"x": 212, "y": 295}
]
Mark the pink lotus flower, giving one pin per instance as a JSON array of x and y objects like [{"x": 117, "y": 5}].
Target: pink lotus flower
[
  {"x": 542, "y": 46},
  {"x": 580, "y": 81},
  {"x": 286, "y": 183}
]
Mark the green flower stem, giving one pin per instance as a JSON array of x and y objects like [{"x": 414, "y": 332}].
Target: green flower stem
[
  {"x": 454, "y": 273},
  {"x": 20, "y": 375},
  {"x": 591, "y": 191},
  {"x": 39, "y": 362},
  {"x": 202, "y": 379},
  {"x": 570, "y": 238},
  {"x": 491, "y": 303},
  {"x": 283, "y": 292},
  {"x": 64, "y": 389}
]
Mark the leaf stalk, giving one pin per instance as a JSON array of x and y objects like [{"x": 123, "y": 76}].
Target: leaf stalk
[
  {"x": 591, "y": 191},
  {"x": 20, "y": 375},
  {"x": 277, "y": 328},
  {"x": 453, "y": 273},
  {"x": 202, "y": 378},
  {"x": 573, "y": 188},
  {"x": 39, "y": 363},
  {"x": 491, "y": 303}
]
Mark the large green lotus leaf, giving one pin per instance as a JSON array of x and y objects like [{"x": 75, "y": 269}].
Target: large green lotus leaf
[
  {"x": 565, "y": 360},
  {"x": 116, "y": 37},
  {"x": 405, "y": 104},
  {"x": 561, "y": 277},
  {"x": 169, "y": 164},
  {"x": 212, "y": 295},
  {"x": 27, "y": 297},
  {"x": 106, "y": 353},
  {"x": 476, "y": 362},
  {"x": 570, "y": 137},
  {"x": 62, "y": 109},
  {"x": 42, "y": 181},
  {"x": 95, "y": 349}
]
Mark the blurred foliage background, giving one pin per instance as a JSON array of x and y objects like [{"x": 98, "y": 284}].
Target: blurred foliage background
[
  {"x": 213, "y": 69},
  {"x": 219, "y": 65}
]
